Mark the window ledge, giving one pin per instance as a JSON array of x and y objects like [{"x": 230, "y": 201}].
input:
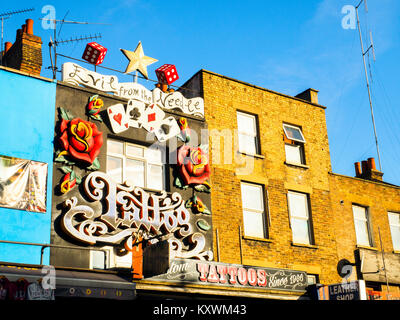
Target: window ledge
[
  {"x": 259, "y": 156},
  {"x": 396, "y": 251},
  {"x": 367, "y": 247},
  {"x": 297, "y": 165},
  {"x": 257, "y": 239},
  {"x": 304, "y": 245}
]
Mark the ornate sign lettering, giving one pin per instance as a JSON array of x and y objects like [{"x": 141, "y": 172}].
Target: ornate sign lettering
[
  {"x": 175, "y": 100},
  {"x": 76, "y": 75},
  {"x": 222, "y": 274},
  {"x": 128, "y": 210}
]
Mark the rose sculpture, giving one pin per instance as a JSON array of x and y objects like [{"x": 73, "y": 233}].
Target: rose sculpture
[
  {"x": 80, "y": 143},
  {"x": 81, "y": 139},
  {"x": 193, "y": 167},
  {"x": 94, "y": 106}
]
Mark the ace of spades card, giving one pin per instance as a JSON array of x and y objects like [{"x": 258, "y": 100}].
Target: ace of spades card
[
  {"x": 118, "y": 118},
  {"x": 152, "y": 118},
  {"x": 168, "y": 129}
]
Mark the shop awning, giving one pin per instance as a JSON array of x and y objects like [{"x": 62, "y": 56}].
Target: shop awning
[{"x": 76, "y": 284}]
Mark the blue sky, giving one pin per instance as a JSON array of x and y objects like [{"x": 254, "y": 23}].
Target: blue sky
[{"x": 286, "y": 46}]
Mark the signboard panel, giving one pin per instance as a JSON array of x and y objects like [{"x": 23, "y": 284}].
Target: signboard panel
[
  {"x": 354, "y": 290},
  {"x": 232, "y": 275}
]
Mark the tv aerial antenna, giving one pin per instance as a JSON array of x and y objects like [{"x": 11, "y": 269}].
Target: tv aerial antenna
[
  {"x": 54, "y": 42},
  {"x": 4, "y": 16},
  {"x": 371, "y": 47}
]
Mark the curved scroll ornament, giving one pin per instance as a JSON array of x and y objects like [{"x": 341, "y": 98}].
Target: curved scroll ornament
[{"x": 130, "y": 209}]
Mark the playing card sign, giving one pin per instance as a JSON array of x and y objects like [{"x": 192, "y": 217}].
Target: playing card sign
[
  {"x": 168, "y": 129},
  {"x": 153, "y": 115},
  {"x": 138, "y": 115},
  {"x": 118, "y": 119}
]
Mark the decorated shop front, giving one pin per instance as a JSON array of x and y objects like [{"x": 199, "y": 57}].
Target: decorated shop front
[{"x": 129, "y": 170}]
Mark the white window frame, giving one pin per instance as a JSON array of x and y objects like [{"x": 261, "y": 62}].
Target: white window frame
[
  {"x": 254, "y": 135},
  {"x": 143, "y": 159},
  {"x": 262, "y": 230},
  {"x": 366, "y": 222},
  {"x": 297, "y": 146},
  {"x": 292, "y": 216},
  {"x": 396, "y": 246},
  {"x": 302, "y": 140}
]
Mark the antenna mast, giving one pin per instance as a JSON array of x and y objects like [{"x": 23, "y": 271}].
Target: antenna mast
[
  {"x": 366, "y": 75},
  {"x": 53, "y": 42}
]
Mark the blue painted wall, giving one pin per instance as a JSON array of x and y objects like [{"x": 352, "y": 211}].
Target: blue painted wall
[{"x": 27, "y": 108}]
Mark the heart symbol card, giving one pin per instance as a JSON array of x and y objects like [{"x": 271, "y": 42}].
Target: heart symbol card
[{"x": 118, "y": 119}]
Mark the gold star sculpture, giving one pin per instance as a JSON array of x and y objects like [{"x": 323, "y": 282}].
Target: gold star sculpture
[{"x": 137, "y": 60}]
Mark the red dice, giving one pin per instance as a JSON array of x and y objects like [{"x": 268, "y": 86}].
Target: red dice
[
  {"x": 167, "y": 74},
  {"x": 94, "y": 53}
]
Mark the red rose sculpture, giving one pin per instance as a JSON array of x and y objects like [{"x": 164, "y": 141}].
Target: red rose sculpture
[
  {"x": 193, "y": 165},
  {"x": 81, "y": 139}
]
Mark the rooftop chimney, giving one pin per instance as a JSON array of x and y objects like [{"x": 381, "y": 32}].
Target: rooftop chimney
[
  {"x": 310, "y": 95},
  {"x": 369, "y": 171},
  {"x": 26, "y": 52}
]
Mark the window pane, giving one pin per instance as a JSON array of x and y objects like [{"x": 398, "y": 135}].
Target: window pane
[
  {"x": 359, "y": 213},
  {"x": 154, "y": 155},
  {"x": 362, "y": 233},
  {"x": 293, "y": 133},
  {"x": 298, "y": 205},
  {"x": 253, "y": 224},
  {"x": 246, "y": 124},
  {"x": 247, "y": 144},
  {"x": 114, "y": 168},
  {"x": 155, "y": 177},
  {"x": 293, "y": 153},
  {"x": 135, "y": 172},
  {"x": 300, "y": 231},
  {"x": 134, "y": 151},
  {"x": 395, "y": 232},
  {"x": 115, "y": 147},
  {"x": 252, "y": 197},
  {"x": 394, "y": 218}
]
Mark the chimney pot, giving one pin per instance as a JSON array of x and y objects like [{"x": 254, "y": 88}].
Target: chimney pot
[
  {"x": 357, "y": 166},
  {"x": 29, "y": 26},
  {"x": 364, "y": 165},
  {"x": 7, "y": 46},
  {"x": 371, "y": 163},
  {"x": 23, "y": 28}
]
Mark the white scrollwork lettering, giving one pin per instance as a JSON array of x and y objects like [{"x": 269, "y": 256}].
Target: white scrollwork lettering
[{"x": 129, "y": 209}]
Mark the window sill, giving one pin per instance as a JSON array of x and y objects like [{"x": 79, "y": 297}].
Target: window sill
[
  {"x": 259, "y": 156},
  {"x": 366, "y": 247},
  {"x": 299, "y": 165},
  {"x": 304, "y": 245},
  {"x": 257, "y": 239},
  {"x": 396, "y": 251}
]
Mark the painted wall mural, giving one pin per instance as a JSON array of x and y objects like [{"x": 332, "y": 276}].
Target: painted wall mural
[{"x": 129, "y": 209}]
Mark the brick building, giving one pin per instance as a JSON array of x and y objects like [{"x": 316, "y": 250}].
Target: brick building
[
  {"x": 263, "y": 217},
  {"x": 308, "y": 218}
]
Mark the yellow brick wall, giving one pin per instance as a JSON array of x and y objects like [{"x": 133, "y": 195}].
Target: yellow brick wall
[
  {"x": 378, "y": 197},
  {"x": 222, "y": 98}
]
